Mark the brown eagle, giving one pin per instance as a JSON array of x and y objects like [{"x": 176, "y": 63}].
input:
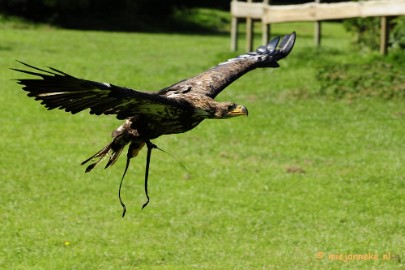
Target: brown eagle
[{"x": 148, "y": 115}]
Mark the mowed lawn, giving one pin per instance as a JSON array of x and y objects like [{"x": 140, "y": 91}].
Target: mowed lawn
[{"x": 304, "y": 182}]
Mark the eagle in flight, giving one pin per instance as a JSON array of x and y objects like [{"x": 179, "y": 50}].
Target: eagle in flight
[{"x": 148, "y": 115}]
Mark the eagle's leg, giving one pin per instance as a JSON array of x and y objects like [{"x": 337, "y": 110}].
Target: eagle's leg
[{"x": 150, "y": 146}]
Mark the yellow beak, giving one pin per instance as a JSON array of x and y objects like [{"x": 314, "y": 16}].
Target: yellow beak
[{"x": 238, "y": 111}]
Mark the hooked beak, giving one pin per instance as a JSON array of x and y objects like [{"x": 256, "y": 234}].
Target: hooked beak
[{"x": 238, "y": 111}]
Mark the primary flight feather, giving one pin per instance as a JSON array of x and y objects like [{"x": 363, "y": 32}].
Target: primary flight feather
[{"x": 148, "y": 115}]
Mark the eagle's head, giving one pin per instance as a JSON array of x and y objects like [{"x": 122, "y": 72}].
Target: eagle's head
[
  {"x": 206, "y": 107},
  {"x": 229, "y": 109}
]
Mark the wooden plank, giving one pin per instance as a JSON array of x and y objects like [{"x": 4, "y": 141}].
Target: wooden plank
[
  {"x": 316, "y": 12},
  {"x": 319, "y": 12},
  {"x": 385, "y": 8},
  {"x": 249, "y": 31},
  {"x": 265, "y": 28},
  {"x": 265, "y": 33},
  {"x": 310, "y": 12},
  {"x": 249, "y": 34},
  {"x": 317, "y": 30},
  {"x": 234, "y": 34},
  {"x": 384, "y": 36},
  {"x": 243, "y": 9}
]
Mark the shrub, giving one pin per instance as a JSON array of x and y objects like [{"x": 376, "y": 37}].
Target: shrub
[
  {"x": 380, "y": 77},
  {"x": 397, "y": 35},
  {"x": 366, "y": 32}
]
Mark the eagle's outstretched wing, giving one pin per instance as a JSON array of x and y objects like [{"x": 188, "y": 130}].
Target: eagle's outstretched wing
[
  {"x": 216, "y": 79},
  {"x": 56, "y": 89}
]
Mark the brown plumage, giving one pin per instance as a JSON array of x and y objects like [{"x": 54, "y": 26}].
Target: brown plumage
[{"x": 148, "y": 115}]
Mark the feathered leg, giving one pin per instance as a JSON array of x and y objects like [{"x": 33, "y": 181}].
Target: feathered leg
[
  {"x": 113, "y": 149},
  {"x": 100, "y": 155},
  {"x": 121, "y": 137}
]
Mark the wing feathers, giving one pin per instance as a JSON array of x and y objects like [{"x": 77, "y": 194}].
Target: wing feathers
[
  {"x": 214, "y": 80},
  {"x": 58, "y": 90}
]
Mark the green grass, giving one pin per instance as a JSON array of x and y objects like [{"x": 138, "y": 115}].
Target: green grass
[{"x": 301, "y": 175}]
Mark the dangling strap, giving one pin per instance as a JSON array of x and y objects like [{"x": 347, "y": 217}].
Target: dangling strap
[{"x": 148, "y": 157}]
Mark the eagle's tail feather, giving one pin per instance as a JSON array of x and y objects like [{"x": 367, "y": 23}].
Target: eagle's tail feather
[{"x": 113, "y": 150}]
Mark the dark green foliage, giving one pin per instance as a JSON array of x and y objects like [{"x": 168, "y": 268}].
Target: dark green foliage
[
  {"x": 92, "y": 14},
  {"x": 366, "y": 32},
  {"x": 381, "y": 77},
  {"x": 201, "y": 20},
  {"x": 397, "y": 35}
]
